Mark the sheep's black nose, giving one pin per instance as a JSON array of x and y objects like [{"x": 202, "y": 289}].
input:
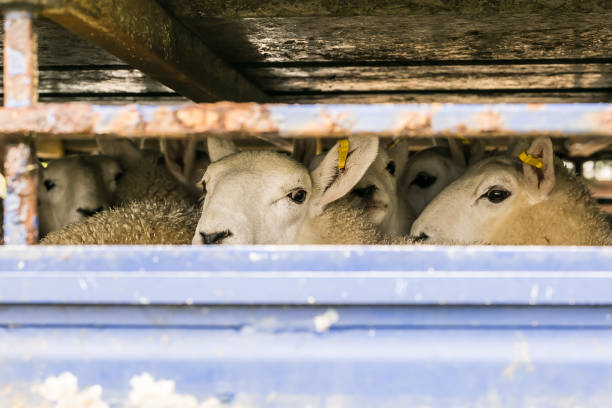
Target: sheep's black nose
[
  {"x": 87, "y": 212},
  {"x": 366, "y": 191},
  {"x": 421, "y": 237},
  {"x": 215, "y": 237}
]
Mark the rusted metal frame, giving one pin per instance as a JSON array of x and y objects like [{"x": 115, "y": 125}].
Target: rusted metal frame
[
  {"x": 288, "y": 121},
  {"x": 144, "y": 35},
  {"x": 20, "y": 92}
]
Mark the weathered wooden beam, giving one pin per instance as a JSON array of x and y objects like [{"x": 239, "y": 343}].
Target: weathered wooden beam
[
  {"x": 356, "y": 78},
  {"x": 143, "y": 34},
  {"x": 288, "y": 121},
  {"x": 463, "y": 96},
  {"x": 20, "y": 92}
]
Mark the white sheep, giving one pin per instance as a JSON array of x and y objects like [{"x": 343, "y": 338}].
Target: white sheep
[
  {"x": 148, "y": 197},
  {"x": 73, "y": 188},
  {"x": 503, "y": 200},
  {"x": 146, "y": 175},
  {"x": 377, "y": 194},
  {"x": 429, "y": 171},
  {"x": 264, "y": 197}
]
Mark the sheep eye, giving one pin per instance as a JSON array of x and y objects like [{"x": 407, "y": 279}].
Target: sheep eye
[
  {"x": 297, "y": 196},
  {"x": 496, "y": 195},
  {"x": 424, "y": 180},
  {"x": 118, "y": 176},
  {"x": 48, "y": 184},
  {"x": 203, "y": 184},
  {"x": 391, "y": 167}
]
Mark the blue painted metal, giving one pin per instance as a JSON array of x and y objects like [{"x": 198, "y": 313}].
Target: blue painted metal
[
  {"x": 307, "y": 275},
  {"x": 410, "y": 326},
  {"x": 271, "y": 120}
]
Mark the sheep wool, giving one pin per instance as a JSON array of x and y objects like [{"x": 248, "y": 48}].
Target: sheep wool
[
  {"x": 570, "y": 216},
  {"x": 148, "y": 222}
]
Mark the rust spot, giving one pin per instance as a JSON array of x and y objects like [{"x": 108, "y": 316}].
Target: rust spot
[
  {"x": 414, "y": 122},
  {"x": 195, "y": 117},
  {"x": 536, "y": 106},
  {"x": 487, "y": 121},
  {"x": 605, "y": 121}
]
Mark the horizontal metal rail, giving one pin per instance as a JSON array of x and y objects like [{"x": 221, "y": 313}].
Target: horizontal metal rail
[
  {"x": 306, "y": 275},
  {"x": 250, "y": 119}
]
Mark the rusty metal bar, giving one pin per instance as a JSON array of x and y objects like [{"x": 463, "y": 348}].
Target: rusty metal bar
[
  {"x": 20, "y": 92},
  {"x": 144, "y": 35},
  {"x": 287, "y": 121}
]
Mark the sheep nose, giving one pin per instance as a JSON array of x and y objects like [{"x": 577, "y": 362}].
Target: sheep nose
[
  {"x": 422, "y": 237},
  {"x": 366, "y": 191},
  {"x": 87, "y": 212},
  {"x": 216, "y": 237}
]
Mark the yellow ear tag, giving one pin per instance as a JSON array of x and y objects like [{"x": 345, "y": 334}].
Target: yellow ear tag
[
  {"x": 394, "y": 142},
  {"x": 530, "y": 160},
  {"x": 343, "y": 148},
  {"x": 465, "y": 141}
]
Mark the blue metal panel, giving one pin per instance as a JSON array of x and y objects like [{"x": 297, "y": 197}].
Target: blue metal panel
[
  {"x": 307, "y": 275},
  {"x": 319, "y": 326}
]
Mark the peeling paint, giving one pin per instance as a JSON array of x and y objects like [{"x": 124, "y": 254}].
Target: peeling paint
[
  {"x": 521, "y": 359},
  {"x": 63, "y": 392},
  {"x": 326, "y": 320},
  {"x": 146, "y": 392}
]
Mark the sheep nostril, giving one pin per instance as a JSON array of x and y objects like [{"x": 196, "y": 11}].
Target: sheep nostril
[
  {"x": 422, "y": 237},
  {"x": 89, "y": 212},
  {"x": 215, "y": 238},
  {"x": 366, "y": 191}
]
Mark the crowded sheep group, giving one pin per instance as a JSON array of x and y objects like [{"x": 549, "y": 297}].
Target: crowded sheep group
[{"x": 358, "y": 192}]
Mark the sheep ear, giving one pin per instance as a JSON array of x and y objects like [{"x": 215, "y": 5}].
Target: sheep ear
[
  {"x": 219, "y": 147},
  {"x": 477, "y": 150},
  {"x": 456, "y": 150},
  {"x": 400, "y": 153},
  {"x": 123, "y": 149},
  {"x": 540, "y": 182},
  {"x": 330, "y": 182},
  {"x": 304, "y": 150},
  {"x": 180, "y": 155}
]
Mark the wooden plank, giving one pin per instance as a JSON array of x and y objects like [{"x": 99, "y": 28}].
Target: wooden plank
[
  {"x": 105, "y": 81},
  {"x": 405, "y": 38},
  {"x": 143, "y": 34},
  {"x": 58, "y": 46},
  {"x": 385, "y": 78},
  {"x": 292, "y": 8},
  {"x": 550, "y": 96}
]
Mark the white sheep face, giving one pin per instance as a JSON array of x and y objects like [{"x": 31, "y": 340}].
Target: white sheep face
[
  {"x": 262, "y": 197},
  {"x": 73, "y": 188},
  {"x": 425, "y": 175},
  {"x": 377, "y": 190},
  {"x": 254, "y": 197},
  {"x": 473, "y": 208}
]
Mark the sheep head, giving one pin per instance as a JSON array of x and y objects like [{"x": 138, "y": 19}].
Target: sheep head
[
  {"x": 479, "y": 204},
  {"x": 265, "y": 197},
  {"x": 75, "y": 187}
]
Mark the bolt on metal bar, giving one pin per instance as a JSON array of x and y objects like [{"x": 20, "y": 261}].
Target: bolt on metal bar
[{"x": 20, "y": 91}]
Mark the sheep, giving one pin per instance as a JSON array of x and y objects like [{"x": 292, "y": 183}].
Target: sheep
[
  {"x": 73, "y": 188},
  {"x": 376, "y": 193},
  {"x": 501, "y": 200},
  {"x": 264, "y": 197},
  {"x": 429, "y": 171},
  {"x": 146, "y": 174},
  {"x": 152, "y": 206},
  {"x": 134, "y": 223}
]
